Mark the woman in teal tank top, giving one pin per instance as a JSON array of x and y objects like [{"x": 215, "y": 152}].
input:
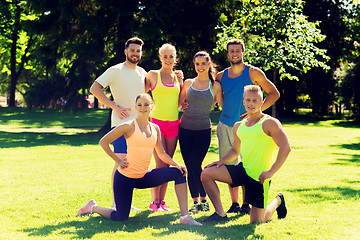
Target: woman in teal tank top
[{"x": 165, "y": 85}]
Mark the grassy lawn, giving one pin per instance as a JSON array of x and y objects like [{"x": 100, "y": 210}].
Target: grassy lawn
[{"x": 51, "y": 164}]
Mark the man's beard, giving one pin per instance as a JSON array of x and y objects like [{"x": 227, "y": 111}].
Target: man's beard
[
  {"x": 237, "y": 62},
  {"x": 133, "y": 60}
]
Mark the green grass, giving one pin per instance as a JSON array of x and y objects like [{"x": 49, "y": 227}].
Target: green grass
[{"x": 51, "y": 164}]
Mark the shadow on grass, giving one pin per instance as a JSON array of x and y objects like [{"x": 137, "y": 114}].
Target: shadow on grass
[
  {"x": 327, "y": 193},
  {"x": 50, "y": 117},
  {"x": 347, "y": 124},
  {"x": 83, "y": 229},
  {"x": 353, "y": 160},
  {"x": 31, "y": 139},
  {"x": 351, "y": 146},
  {"x": 345, "y": 158}
]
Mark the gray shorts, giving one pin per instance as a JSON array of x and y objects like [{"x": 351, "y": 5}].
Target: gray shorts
[{"x": 226, "y": 138}]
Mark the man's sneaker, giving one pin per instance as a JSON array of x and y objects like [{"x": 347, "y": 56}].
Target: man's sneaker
[
  {"x": 196, "y": 207},
  {"x": 204, "y": 206},
  {"x": 155, "y": 206},
  {"x": 245, "y": 209},
  {"x": 281, "y": 209},
  {"x": 87, "y": 208},
  {"x": 164, "y": 207},
  {"x": 189, "y": 220},
  {"x": 235, "y": 208},
  {"x": 215, "y": 217}
]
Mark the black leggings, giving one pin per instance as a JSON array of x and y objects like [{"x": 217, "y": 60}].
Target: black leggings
[{"x": 194, "y": 145}]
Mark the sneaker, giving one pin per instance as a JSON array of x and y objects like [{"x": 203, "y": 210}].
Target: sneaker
[
  {"x": 155, "y": 206},
  {"x": 87, "y": 208},
  {"x": 113, "y": 207},
  {"x": 135, "y": 208},
  {"x": 245, "y": 209},
  {"x": 196, "y": 207},
  {"x": 281, "y": 209},
  {"x": 189, "y": 220},
  {"x": 235, "y": 208},
  {"x": 215, "y": 217},
  {"x": 164, "y": 207},
  {"x": 204, "y": 206}
]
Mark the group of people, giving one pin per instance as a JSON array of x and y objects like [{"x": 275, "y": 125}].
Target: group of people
[{"x": 145, "y": 126}]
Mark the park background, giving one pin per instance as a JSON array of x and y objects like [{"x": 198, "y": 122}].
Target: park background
[{"x": 50, "y": 163}]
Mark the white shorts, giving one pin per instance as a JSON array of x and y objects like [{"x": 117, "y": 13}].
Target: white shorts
[{"x": 226, "y": 138}]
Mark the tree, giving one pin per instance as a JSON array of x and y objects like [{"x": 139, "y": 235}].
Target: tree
[
  {"x": 16, "y": 44},
  {"x": 350, "y": 83},
  {"x": 187, "y": 24},
  {"x": 333, "y": 16},
  {"x": 79, "y": 40},
  {"x": 279, "y": 38}
]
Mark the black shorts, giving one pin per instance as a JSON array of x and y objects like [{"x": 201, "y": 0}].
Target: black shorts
[{"x": 256, "y": 193}]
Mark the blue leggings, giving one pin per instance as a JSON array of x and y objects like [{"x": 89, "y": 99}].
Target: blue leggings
[{"x": 124, "y": 187}]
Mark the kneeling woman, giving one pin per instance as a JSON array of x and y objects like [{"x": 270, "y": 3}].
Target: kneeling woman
[{"x": 142, "y": 137}]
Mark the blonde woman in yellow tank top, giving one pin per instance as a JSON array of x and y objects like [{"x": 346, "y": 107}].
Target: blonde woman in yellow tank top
[{"x": 165, "y": 85}]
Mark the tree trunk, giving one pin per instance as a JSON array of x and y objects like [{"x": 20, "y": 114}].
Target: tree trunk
[
  {"x": 15, "y": 37},
  {"x": 273, "y": 108},
  {"x": 96, "y": 102}
]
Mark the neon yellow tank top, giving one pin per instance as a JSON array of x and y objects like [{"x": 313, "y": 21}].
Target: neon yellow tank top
[
  {"x": 166, "y": 99},
  {"x": 257, "y": 148}
]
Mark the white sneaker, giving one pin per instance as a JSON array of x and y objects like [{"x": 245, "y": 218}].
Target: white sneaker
[
  {"x": 87, "y": 208},
  {"x": 113, "y": 207},
  {"x": 189, "y": 220},
  {"x": 135, "y": 209}
]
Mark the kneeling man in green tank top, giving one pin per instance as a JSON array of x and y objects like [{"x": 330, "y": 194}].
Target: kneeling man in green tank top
[{"x": 263, "y": 145}]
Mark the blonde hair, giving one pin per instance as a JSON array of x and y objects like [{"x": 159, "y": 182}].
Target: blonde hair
[
  {"x": 254, "y": 89},
  {"x": 167, "y": 46}
]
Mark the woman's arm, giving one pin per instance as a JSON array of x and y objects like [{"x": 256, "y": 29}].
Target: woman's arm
[
  {"x": 218, "y": 94},
  {"x": 164, "y": 156},
  {"x": 183, "y": 91},
  {"x": 126, "y": 129}
]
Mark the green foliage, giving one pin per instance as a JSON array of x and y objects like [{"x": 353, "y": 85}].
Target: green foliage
[
  {"x": 335, "y": 19},
  {"x": 60, "y": 47},
  {"x": 351, "y": 87},
  {"x": 277, "y": 36}
]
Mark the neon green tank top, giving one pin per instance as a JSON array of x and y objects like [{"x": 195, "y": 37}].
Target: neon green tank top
[
  {"x": 166, "y": 99},
  {"x": 257, "y": 148}
]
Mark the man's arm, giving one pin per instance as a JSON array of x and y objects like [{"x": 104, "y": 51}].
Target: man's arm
[
  {"x": 97, "y": 90},
  {"x": 273, "y": 128},
  {"x": 258, "y": 77}
]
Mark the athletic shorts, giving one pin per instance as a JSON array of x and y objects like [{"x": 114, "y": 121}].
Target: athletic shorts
[
  {"x": 256, "y": 193},
  {"x": 120, "y": 144},
  {"x": 169, "y": 129},
  {"x": 226, "y": 138}
]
